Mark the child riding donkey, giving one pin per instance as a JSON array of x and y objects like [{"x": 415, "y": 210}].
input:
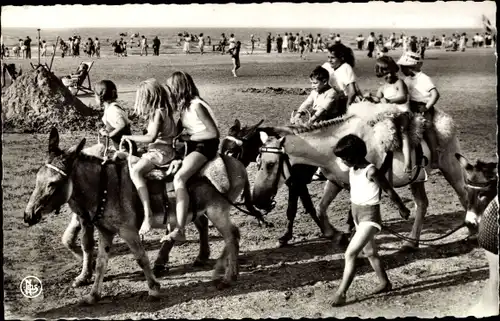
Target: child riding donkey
[
  {"x": 423, "y": 97},
  {"x": 152, "y": 102}
]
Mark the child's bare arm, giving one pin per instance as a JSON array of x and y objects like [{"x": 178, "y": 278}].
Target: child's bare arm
[
  {"x": 384, "y": 184},
  {"x": 434, "y": 98}
]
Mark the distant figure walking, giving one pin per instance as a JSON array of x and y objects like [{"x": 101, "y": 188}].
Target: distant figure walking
[
  {"x": 235, "y": 57},
  {"x": 279, "y": 44},
  {"x": 360, "y": 40},
  {"x": 27, "y": 43},
  {"x": 97, "y": 46},
  {"x": 187, "y": 43},
  {"x": 268, "y": 43},
  {"x": 156, "y": 46},
  {"x": 144, "y": 46},
  {"x": 201, "y": 43},
  {"x": 252, "y": 43},
  {"x": 371, "y": 44}
]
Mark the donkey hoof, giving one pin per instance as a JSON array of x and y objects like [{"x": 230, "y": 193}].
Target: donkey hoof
[
  {"x": 90, "y": 299},
  {"x": 80, "y": 282},
  {"x": 200, "y": 262},
  {"x": 409, "y": 248},
  {"x": 155, "y": 292},
  {"x": 159, "y": 270},
  {"x": 221, "y": 284}
]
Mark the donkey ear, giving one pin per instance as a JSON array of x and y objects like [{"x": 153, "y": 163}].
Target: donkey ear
[
  {"x": 76, "y": 150},
  {"x": 263, "y": 137},
  {"x": 53, "y": 140},
  {"x": 464, "y": 162},
  {"x": 237, "y": 124}
]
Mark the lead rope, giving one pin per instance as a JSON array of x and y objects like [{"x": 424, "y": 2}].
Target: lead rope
[{"x": 406, "y": 238}]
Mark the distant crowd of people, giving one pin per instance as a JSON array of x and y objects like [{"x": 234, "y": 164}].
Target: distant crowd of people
[{"x": 290, "y": 42}]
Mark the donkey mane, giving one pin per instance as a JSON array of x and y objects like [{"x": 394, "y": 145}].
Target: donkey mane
[{"x": 299, "y": 129}]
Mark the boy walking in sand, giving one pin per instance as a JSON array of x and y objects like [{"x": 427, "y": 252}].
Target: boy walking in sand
[{"x": 366, "y": 183}]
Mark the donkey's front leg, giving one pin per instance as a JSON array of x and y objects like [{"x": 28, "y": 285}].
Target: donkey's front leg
[
  {"x": 88, "y": 251},
  {"x": 70, "y": 235},
  {"x": 105, "y": 242},
  {"x": 329, "y": 193},
  {"x": 421, "y": 204},
  {"x": 131, "y": 237},
  {"x": 291, "y": 212}
]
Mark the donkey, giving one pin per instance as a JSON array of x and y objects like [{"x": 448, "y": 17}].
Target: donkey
[
  {"x": 481, "y": 182},
  {"x": 313, "y": 145},
  {"x": 103, "y": 195},
  {"x": 244, "y": 143}
]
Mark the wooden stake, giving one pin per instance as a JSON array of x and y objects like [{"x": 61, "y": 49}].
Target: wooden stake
[{"x": 54, "y": 53}]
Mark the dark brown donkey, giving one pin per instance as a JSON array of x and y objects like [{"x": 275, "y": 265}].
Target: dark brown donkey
[
  {"x": 481, "y": 183},
  {"x": 105, "y": 197}
]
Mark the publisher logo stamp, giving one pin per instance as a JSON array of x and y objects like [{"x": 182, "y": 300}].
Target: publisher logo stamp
[{"x": 31, "y": 287}]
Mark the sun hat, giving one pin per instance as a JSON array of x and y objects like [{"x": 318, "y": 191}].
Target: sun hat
[{"x": 409, "y": 59}]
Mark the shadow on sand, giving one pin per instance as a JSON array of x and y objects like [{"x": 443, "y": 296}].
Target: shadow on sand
[{"x": 277, "y": 275}]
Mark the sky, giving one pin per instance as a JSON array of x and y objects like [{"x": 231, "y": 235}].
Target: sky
[{"x": 377, "y": 14}]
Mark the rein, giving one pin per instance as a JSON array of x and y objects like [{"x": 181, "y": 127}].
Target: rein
[{"x": 405, "y": 238}]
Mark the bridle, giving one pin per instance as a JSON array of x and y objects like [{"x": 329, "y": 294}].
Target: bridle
[
  {"x": 57, "y": 169},
  {"x": 481, "y": 186},
  {"x": 284, "y": 160}
]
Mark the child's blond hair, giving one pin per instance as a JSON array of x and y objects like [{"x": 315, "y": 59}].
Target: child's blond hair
[{"x": 150, "y": 96}]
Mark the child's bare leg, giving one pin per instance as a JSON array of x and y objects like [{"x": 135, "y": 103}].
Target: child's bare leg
[
  {"x": 364, "y": 233},
  {"x": 371, "y": 252},
  {"x": 407, "y": 153},
  {"x": 190, "y": 165},
  {"x": 405, "y": 122},
  {"x": 137, "y": 173}
]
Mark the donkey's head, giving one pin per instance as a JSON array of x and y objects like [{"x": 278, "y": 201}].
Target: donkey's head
[
  {"x": 53, "y": 185},
  {"x": 242, "y": 143},
  {"x": 273, "y": 169},
  {"x": 481, "y": 185}
]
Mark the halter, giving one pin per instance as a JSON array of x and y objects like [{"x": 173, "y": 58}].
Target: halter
[
  {"x": 284, "y": 158},
  {"x": 480, "y": 186},
  {"x": 57, "y": 169}
]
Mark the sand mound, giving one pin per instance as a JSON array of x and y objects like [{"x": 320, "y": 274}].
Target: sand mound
[
  {"x": 37, "y": 100},
  {"x": 277, "y": 91}
]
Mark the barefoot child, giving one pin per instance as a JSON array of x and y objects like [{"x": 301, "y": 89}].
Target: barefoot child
[
  {"x": 199, "y": 124},
  {"x": 366, "y": 184},
  {"x": 423, "y": 96},
  {"x": 115, "y": 118},
  {"x": 152, "y": 101},
  {"x": 394, "y": 91}
]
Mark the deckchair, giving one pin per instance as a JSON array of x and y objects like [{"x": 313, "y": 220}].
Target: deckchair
[{"x": 78, "y": 80}]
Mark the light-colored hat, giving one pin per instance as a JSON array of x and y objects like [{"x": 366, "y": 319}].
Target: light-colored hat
[{"x": 410, "y": 59}]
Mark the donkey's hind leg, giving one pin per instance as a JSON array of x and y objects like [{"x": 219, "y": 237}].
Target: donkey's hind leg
[
  {"x": 131, "y": 237},
  {"x": 421, "y": 204},
  {"x": 201, "y": 224},
  {"x": 218, "y": 213}
]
